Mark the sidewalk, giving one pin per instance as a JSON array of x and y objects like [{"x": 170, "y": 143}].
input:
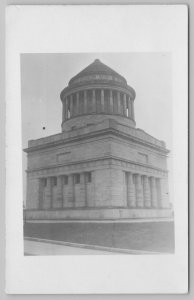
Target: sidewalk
[
  {"x": 36, "y": 246},
  {"x": 44, "y": 249}
]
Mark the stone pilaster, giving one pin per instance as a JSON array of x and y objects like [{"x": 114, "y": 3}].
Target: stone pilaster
[
  {"x": 111, "y": 102},
  {"x": 102, "y": 100},
  {"x": 131, "y": 201},
  {"x": 146, "y": 192},
  {"x": 154, "y": 196},
  {"x": 139, "y": 191},
  {"x": 47, "y": 204}
]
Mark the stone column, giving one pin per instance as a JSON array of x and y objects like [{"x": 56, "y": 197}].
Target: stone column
[
  {"x": 146, "y": 192},
  {"x": 93, "y": 101},
  {"x": 131, "y": 201},
  {"x": 60, "y": 190},
  {"x": 63, "y": 110},
  {"x": 125, "y": 104},
  {"x": 132, "y": 110},
  {"x": 32, "y": 196},
  {"x": 66, "y": 108},
  {"x": 40, "y": 193},
  {"x": 159, "y": 195},
  {"x": 102, "y": 101},
  {"x": 111, "y": 102},
  {"x": 48, "y": 194},
  {"x": 139, "y": 191},
  {"x": 164, "y": 193},
  {"x": 77, "y": 104},
  {"x": 71, "y": 106},
  {"x": 119, "y": 102},
  {"x": 71, "y": 196},
  {"x": 83, "y": 194},
  {"x": 129, "y": 107},
  {"x": 153, "y": 192},
  {"x": 85, "y": 101}
]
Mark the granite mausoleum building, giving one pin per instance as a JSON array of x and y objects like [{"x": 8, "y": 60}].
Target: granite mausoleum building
[{"x": 100, "y": 166}]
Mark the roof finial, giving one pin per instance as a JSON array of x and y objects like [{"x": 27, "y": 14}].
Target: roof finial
[{"x": 97, "y": 60}]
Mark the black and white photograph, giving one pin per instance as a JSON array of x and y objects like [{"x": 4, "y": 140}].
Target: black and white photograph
[
  {"x": 95, "y": 181},
  {"x": 97, "y": 149}
]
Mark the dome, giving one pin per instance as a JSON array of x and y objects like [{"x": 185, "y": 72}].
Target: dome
[
  {"x": 100, "y": 70},
  {"x": 95, "y": 94},
  {"x": 97, "y": 73}
]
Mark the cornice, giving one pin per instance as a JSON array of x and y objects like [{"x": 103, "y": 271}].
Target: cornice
[
  {"x": 98, "y": 133},
  {"x": 98, "y": 85},
  {"x": 92, "y": 164}
]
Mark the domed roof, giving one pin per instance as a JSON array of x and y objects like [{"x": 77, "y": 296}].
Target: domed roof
[
  {"x": 98, "y": 68},
  {"x": 97, "y": 75}
]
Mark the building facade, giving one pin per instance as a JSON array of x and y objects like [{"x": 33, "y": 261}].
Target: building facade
[{"x": 100, "y": 166}]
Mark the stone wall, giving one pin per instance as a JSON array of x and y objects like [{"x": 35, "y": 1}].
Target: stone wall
[
  {"x": 98, "y": 214},
  {"x": 95, "y": 148}
]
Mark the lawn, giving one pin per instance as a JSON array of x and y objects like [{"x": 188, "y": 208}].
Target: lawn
[{"x": 147, "y": 236}]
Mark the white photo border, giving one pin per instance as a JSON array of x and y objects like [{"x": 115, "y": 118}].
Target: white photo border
[{"x": 111, "y": 28}]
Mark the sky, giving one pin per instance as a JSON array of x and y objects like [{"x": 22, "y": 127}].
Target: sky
[{"x": 43, "y": 76}]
